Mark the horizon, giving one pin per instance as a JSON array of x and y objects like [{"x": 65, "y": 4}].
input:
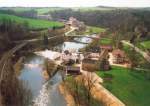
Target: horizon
[{"x": 75, "y": 3}]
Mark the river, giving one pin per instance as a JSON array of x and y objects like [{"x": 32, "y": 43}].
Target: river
[{"x": 46, "y": 93}]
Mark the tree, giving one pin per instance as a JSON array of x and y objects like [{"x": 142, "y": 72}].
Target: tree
[
  {"x": 45, "y": 41},
  {"x": 133, "y": 56}
]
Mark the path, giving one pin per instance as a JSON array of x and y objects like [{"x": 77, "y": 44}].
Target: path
[
  {"x": 4, "y": 60},
  {"x": 37, "y": 39},
  {"x": 33, "y": 40},
  {"x": 70, "y": 31},
  {"x": 144, "y": 54}
]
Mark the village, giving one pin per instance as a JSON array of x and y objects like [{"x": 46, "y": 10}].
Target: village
[
  {"x": 78, "y": 62},
  {"x": 74, "y": 57}
]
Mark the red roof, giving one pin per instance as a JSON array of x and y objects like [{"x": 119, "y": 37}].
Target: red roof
[
  {"x": 106, "y": 47},
  {"x": 118, "y": 52}
]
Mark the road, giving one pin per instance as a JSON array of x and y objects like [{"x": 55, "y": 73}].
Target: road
[
  {"x": 37, "y": 39},
  {"x": 70, "y": 31},
  {"x": 144, "y": 54},
  {"x": 33, "y": 40},
  {"x": 4, "y": 60}
]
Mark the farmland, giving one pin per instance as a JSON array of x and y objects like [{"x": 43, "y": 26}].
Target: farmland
[{"x": 33, "y": 23}]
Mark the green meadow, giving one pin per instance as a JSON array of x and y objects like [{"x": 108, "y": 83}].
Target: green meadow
[
  {"x": 129, "y": 86},
  {"x": 33, "y": 23}
]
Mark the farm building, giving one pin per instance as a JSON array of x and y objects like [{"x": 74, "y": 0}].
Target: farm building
[
  {"x": 109, "y": 48},
  {"x": 76, "y": 23},
  {"x": 90, "y": 65},
  {"x": 118, "y": 56},
  {"x": 72, "y": 70}
]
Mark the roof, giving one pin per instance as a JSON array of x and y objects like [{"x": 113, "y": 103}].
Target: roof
[
  {"x": 73, "y": 68},
  {"x": 66, "y": 52},
  {"x": 105, "y": 46},
  {"x": 118, "y": 52}
]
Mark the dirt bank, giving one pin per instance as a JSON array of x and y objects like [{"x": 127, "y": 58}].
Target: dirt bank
[{"x": 68, "y": 97}]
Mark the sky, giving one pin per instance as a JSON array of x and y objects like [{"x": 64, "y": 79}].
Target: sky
[{"x": 74, "y": 3}]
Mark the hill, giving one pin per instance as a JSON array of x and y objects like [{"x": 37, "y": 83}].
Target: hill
[{"x": 33, "y": 23}]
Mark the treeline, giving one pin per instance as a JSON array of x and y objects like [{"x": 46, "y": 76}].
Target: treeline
[
  {"x": 11, "y": 31},
  {"x": 119, "y": 20},
  {"x": 27, "y": 13}
]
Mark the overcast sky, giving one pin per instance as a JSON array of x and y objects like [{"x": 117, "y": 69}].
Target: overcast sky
[{"x": 75, "y": 3}]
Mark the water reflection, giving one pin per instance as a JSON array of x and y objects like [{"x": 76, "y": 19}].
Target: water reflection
[
  {"x": 45, "y": 93},
  {"x": 83, "y": 39},
  {"x": 32, "y": 74}
]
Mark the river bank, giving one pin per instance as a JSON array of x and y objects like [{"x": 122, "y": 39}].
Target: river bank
[{"x": 68, "y": 97}]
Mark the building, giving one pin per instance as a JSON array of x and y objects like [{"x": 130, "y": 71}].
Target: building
[
  {"x": 104, "y": 65},
  {"x": 73, "y": 22},
  {"x": 72, "y": 70},
  {"x": 109, "y": 48},
  {"x": 118, "y": 56},
  {"x": 90, "y": 65},
  {"x": 68, "y": 57}
]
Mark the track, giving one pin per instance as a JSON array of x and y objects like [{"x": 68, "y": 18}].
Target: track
[{"x": 4, "y": 63}]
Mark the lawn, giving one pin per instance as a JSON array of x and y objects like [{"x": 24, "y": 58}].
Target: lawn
[
  {"x": 47, "y": 9},
  {"x": 146, "y": 44},
  {"x": 129, "y": 86},
  {"x": 105, "y": 41},
  {"x": 96, "y": 30},
  {"x": 33, "y": 23}
]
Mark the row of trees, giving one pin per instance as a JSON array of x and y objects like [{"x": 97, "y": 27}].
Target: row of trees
[
  {"x": 31, "y": 13},
  {"x": 11, "y": 31}
]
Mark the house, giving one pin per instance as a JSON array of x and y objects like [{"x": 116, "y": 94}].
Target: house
[
  {"x": 90, "y": 65},
  {"x": 104, "y": 65},
  {"x": 118, "y": 56},
  {"x": 73, "y": 22},
  {"x": 109, "y": 48},
  {"x": 69, "y": 58},
  {"x": 72, "y": 70},
  {"x": 66, "y": 57}
]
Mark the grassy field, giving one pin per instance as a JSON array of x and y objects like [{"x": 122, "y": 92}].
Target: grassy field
[
  {"x": 33, "y": 23},
  {"x": 146, "y": 44},
  {"x": 96, "y": 30},
  {"x": 47, "y": 9},
  {"x": 41, "y": 10},
  {"x": 105, "y": 41},
  {"x": 130, "y": 87},
  {"x": 86, "y": 9}
]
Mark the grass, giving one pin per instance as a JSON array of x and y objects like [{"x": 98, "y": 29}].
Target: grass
[
  {"x": 86, "y": 9},
  {"x": 146, "y": 44},
  {"x": 42, "y": 10},
  {"x": 96, "y": 30},
  {"x": 33, "y": 23},
  {"x": 47, "y": 9},
  {"x": 129, "y": 86},
  {"x": 105, "y": 41}
]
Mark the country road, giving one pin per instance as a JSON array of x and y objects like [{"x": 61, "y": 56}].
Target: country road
[
  {"x": 37, "y": 39},
  {"x": 4, "y": 60},
  {"x": 144, "y": 54}
]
